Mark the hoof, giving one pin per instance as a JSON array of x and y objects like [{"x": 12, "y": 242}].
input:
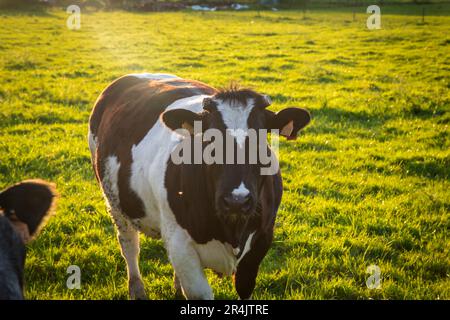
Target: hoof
[
  {"x": 136, "y": 289},
  {"x": 178, "y": 291}
]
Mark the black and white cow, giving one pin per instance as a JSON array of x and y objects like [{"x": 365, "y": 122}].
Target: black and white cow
[
  {"x": 217, "y": 216},
  {"x": 24, "y": 208}
]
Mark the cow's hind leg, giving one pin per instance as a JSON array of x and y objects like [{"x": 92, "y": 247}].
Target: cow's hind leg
[{"x": 128, "y": 238}]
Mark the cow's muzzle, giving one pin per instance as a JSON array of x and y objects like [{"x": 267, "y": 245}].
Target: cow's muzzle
[{"x": 234, "y": 208}]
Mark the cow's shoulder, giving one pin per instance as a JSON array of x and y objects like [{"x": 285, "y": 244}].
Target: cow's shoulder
[{"x": 189, "y": 198}]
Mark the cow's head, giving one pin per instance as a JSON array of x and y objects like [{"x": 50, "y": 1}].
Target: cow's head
[{"x": 235, "y": 112}]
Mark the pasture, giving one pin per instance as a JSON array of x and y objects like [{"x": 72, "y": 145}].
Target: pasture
[{"x": 366, "y": 183}]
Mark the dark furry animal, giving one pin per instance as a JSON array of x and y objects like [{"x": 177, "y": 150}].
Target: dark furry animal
[{"x": 24, "y": 208}]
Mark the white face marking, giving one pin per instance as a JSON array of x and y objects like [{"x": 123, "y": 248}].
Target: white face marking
[
  {"x": 241, "y": 191},
  {"x": 154, "y": 76},
  {"x": 235, "y": 118}
]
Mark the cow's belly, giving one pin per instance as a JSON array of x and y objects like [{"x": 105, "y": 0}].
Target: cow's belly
[
  {"x": 217, "y": 256},
  {"x": 149, "y": 166}
]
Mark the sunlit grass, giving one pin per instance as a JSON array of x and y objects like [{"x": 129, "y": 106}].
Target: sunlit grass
[{"x": 366, "y": 183}]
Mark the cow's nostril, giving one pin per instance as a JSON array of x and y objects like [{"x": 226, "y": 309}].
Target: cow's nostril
[
  {"x": 237, "y": 204},
  {"x": 247, "y": 205},
  {"x": 229, "y": 203}
]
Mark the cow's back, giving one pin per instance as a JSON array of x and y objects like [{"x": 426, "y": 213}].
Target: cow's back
[{"x": 122, "y": 116}]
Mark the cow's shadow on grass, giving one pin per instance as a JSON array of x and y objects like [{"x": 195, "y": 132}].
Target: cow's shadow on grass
[
  {"x": 46, "y": 168},
  {"x": 156, "y": 268},
  {"x": 39, "y": 167},
  {"x": 337, "y": 121},
  {"x": 358, "y": 118},
  {"x": 273, "y": 276},
  {"x": 153, "y": 252},
  {"x": 48, "y": 118},
  {"x": 426, "y": 168}
]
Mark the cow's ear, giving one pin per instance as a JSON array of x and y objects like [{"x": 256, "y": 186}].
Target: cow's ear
[
  {"x": 27, "y": 205},
  {"x": 288, "y": 121},
  {"x": 181, "y": 119}
]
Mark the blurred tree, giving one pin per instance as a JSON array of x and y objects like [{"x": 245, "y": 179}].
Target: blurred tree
[
  {"x": 16, "y": 3},
  {"x": 165, "y": 4}
]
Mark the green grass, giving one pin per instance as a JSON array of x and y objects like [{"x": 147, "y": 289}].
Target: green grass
[{"x": 366, "y": 183}]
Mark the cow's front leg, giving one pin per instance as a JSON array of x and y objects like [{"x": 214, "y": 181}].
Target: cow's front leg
[
  {"x": 129, "y": 242},
  {"x": 187, "y": 266},
  {"x": 247, "y": 270}
]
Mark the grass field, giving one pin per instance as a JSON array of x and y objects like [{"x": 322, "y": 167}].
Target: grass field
[{"x": 367, "y": 183}]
